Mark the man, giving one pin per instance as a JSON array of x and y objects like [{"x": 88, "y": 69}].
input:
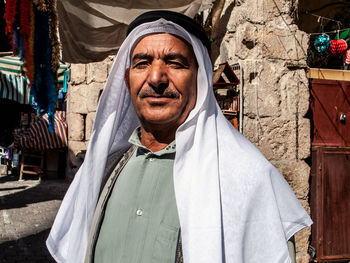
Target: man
[{"x": 190, "y": 185}]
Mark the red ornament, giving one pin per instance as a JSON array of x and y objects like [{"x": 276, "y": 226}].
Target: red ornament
[
  {"x": 338, "y": 47},
  {"x": 347, "y": 57}
]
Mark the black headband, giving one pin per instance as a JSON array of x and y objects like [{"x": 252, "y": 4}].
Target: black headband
[{"x": 182, "y": 20}]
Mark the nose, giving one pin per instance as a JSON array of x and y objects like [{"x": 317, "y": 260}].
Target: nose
[{"x": 158, "y": 77}]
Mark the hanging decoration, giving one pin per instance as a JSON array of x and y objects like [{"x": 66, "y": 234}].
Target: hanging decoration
[
  {"x": 322, "y": 43},
  {"x": 328, "y": 49},
  {"x": 32, "y": 26},
  {"x": 346, "y": 57},
  {"x": 338, "y": 47}
]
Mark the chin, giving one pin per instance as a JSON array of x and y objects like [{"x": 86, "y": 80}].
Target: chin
[{"x": 159, "y": 121}]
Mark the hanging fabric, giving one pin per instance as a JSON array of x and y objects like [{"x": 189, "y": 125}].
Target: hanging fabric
[
  {"x": 91, "y": 30},
  {"x": 32, "y": 26},
  {"x": 14, "y": 85},
  {"x": 38, "y": 138}
]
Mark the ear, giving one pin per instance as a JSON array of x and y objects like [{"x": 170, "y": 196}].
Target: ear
[{"x": 126, "y": 78}]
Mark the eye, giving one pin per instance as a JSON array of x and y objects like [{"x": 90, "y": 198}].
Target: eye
[
  {"x": 176, "y": 64},
  {"x": 141, "y": 64}
]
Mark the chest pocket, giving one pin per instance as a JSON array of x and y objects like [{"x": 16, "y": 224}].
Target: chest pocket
[{"x": 165, "y": 245}]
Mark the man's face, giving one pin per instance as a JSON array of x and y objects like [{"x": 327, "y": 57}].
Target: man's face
[{"x": 162, "y": 80}]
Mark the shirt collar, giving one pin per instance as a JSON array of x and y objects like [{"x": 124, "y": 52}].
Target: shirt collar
[{"x": 135, "y": 140}]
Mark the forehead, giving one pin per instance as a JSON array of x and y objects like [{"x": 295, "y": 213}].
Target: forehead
[{"x": 163, "y": 42}]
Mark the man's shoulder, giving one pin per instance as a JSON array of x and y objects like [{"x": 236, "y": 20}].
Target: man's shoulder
[{"x": 113, "y": 159}]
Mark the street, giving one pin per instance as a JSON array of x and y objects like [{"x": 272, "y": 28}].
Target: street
[{"x": 27, "y": 211}]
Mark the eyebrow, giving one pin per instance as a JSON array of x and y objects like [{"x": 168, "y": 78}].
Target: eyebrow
[
  {"x": 166, "y": 57},
  {"x": 176, "y": 56},
  {"x": 141, "y": 56}
]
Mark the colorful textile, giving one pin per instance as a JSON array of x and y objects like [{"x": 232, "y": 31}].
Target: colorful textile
[
  {"x": 14, "y": 85},
  {"x": 38, "y": 138},
  {"x": 32, "y": 26}
]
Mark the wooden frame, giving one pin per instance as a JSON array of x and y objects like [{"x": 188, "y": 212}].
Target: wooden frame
[
  {"x": 330, "y": 185},
  {"x": 30, "y": 168},
  {"x": 330, "y": 74}
]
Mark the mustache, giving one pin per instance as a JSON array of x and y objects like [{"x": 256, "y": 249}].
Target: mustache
[{"x": 150, "y": 92}]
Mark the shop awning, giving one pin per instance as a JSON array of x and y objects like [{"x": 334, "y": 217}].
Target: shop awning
[
  {"x": 90, "y": 30},
  {"x": 15, "y": 86},
  {"x": 38, "y": 138}
]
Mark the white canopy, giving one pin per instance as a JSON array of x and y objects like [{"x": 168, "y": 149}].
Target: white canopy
[{"x": 90, "y": 30}]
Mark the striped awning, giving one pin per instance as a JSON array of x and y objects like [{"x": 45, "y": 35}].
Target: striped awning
[
  {"x": 38, "y": 138},
  {"x": 15, "y": 86}
]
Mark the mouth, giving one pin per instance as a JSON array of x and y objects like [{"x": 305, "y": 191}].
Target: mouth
[
  {"x": 158, "y": 100},
  {"x": 160, "y": 96}
]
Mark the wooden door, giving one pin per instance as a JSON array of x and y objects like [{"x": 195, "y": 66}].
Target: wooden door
[
  {"x": 330, "y": 203},
  {"x": 330, "y": 176}
]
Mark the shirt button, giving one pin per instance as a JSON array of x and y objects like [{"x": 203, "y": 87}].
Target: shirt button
[{"x": 139, "y": 212}]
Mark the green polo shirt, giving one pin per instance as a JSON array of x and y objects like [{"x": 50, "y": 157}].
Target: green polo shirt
[{"x": 141, "y": 222}]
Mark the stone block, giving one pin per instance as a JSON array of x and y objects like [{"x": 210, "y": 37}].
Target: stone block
[
  {"x": 277, "y": 139},
  {"x": 304, "y": 93},
  {"x": 78, "y": 74},
  {"x": 252, "y": 71},
  {"x": 90, "y": 118},
  {"x": 245, "y": 42},
  {"x": 76, "y": 153},
  {"x": 297, "y": 174},
  {"x": 302, "y": 257},
  {"x": 289, "y": 95},
  {"x": 268, "y": 103},
  {"x": 77, "y": 99},
  {"x": 289, "y": 99},
  {"x": 94, "y": 91},
  {"x": 251, "y": 129},
  {"x": 251, "y": 11},
  {"x": 294, "y": 94},
  {"x": 97, "y": 72},
  {"x": 302, "y": 244},
  {"x": 304, "y": 138},
  {"x": 261, "y": 89},
  {"x": 268, "y": 93},
  {"x": 273, "y": 8},
  {"x": 282, "y": 22},
  {"x": 284, "y": 44},
  {"x": 250, "y": 101},
  {"x": 76, "y": 128}
]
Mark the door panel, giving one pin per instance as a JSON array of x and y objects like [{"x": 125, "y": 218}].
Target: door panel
[
  {"x": 331, "y": 203},
  {"x": 330, "y": 101}
]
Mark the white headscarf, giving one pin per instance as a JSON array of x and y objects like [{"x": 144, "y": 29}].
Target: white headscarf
[{"x": 233, "y": 205}]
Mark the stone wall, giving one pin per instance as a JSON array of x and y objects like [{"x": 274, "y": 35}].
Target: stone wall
[
  {"x": 262, "y": 36},
  {"x": 87, "y": 83}
]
